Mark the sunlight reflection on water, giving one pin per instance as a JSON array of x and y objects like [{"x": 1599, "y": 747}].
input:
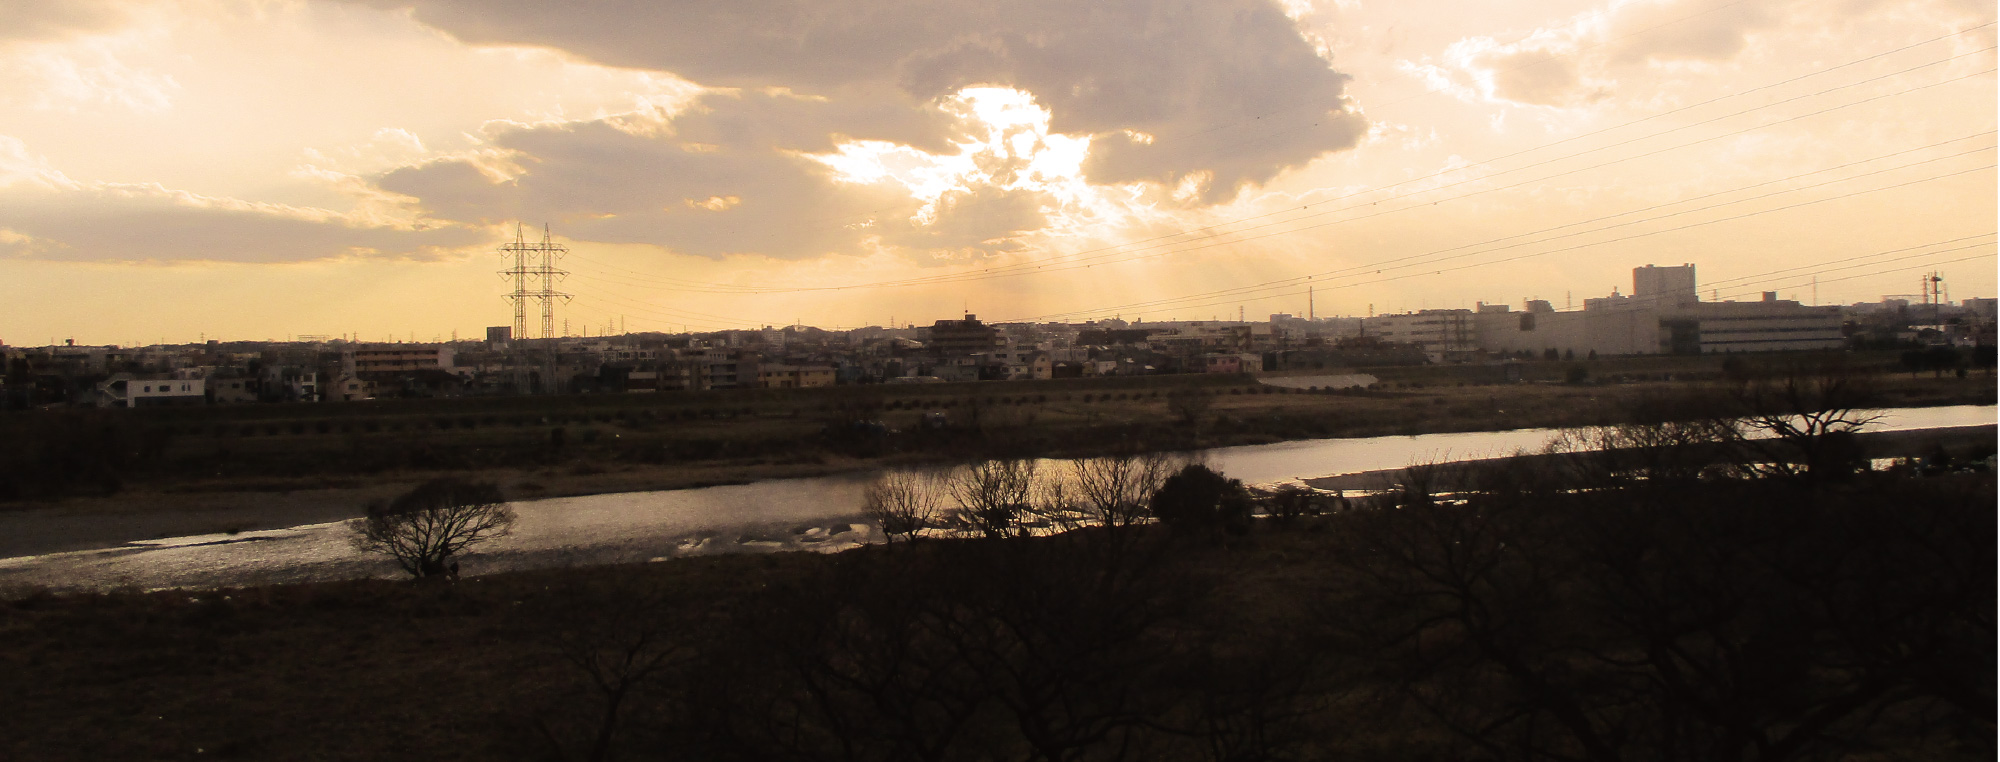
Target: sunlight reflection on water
[{"x": 820, "y": 514}]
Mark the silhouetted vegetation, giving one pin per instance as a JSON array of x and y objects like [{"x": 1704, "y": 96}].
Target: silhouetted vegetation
[
  {"x": 1713, "y": 575},
  {"x": 1536, "y": 608},
  {"x": 1198, "y": 499},
  {"x": 676, "y": 439},
  {"x": 426, "y": 527}
]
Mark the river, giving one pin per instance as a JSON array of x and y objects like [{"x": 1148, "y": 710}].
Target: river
[{"x": 787, "y": 514}]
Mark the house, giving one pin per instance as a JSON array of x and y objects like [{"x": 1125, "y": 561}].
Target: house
[
  {"x": 232, "y": 390},
  {"x": 349, "y": 387},
  {"x": 124, "y": 390}
]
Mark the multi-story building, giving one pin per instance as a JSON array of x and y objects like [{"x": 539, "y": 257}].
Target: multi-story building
[
  {"x": 1434, "y": 330},
  {"x": 232, "y": 389},
  {"x": 1985, "y": 308},
  {"x": 397, "y": 358},
  {"x": 1662, "y": 316},
  {"x": 728, "y": 369},
  {"x": 1664, "y": 286},
  {"x": 123, "y": 390},
  {"x": 794, "y": 376},
  {"x": 963, "y": 337}
]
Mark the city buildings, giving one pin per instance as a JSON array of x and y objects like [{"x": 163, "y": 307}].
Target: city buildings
[{"x": 1662, "y": 314}]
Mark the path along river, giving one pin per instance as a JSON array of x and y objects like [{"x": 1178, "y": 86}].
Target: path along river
[{"x": 787, "y": 514}]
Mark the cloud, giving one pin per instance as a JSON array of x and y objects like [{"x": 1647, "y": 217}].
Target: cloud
[
  {"x": 40, "y": 20},
  {"x": 982, "y": 220},
  {"x": 149, "y": 223},
  {"x": 1585, "y": 59},
  {"x": 1226, "y": 90},
  {"x": 1542, "y": 78},
  {"x": 1662, "y": 31},
  {"x": 730, "y": 176}
]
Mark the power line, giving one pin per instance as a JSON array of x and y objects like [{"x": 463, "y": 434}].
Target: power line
[
  {"x": 1734, "y": 293},
  {"x": 1381, "y": 263},
  {"x": 675, "y": 309},
  {"x": 1240, "y": 292},
  {"x": 1488, "y": 190},
  {"x": 1903, "y": 268}
]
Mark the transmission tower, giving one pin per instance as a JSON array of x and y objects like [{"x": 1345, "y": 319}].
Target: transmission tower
[{"x": 535, "y": 263}]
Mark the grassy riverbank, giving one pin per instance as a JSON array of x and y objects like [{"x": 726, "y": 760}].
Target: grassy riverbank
[
  {"x": 1857, "y": 605},
  {"x": 96, "y": 478}
]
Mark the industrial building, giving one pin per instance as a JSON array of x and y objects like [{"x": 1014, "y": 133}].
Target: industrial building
[{"x": 1663, "y": 315}]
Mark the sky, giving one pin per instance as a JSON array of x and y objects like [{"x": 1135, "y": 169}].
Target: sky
[{"x": 172, "y": 171}]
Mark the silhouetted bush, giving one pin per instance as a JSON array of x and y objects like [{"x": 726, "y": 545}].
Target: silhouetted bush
[{"x": 1198, "y": 498}]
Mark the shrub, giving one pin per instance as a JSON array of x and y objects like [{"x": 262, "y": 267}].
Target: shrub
[{"x": 1198, "y": 498}]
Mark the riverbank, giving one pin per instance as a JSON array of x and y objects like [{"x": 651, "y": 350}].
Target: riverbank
[
  {"x": 1962, "y": 443},
  {"x": 1294, "y": 630},
  {"x": 554, "y": 446},
  {"x": 93, "y": 523}
]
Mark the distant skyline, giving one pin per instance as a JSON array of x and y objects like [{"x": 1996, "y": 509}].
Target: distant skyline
[{"x": 257, "y": 169}]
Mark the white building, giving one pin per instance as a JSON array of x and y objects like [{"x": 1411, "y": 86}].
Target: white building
[
  {"x": 1434, "y": 330},
  {"x": 1662, "y": 316},
  {"x": 122, "y": 390}
]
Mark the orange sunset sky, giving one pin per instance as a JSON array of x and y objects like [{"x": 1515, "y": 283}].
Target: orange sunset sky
[{"x": 258, "y": 169}]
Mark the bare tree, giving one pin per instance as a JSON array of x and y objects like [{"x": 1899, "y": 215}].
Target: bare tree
[
  {"x": 1054, "y": 502},
  {"x": 1809, "y": 414},
  {"x": 1672, "y": 438},
  {"x": 622, "y": 635},
  {"x": 1116, "y": 488},
  {"x": 427, "y": 526},
  {"x": 1723, "y": 619},
  {"x": 904, "y": 503},
  {"x": 991, "y": 495}
]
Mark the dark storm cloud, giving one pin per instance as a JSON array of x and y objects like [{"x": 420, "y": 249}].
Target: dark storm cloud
[{"x": 1226, "y": 89}]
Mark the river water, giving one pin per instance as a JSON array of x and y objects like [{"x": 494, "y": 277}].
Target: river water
[{"x": 821, "y": 514}]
